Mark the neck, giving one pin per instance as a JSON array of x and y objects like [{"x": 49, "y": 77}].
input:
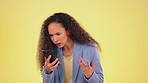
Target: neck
[{"x": 68, "y": 48}]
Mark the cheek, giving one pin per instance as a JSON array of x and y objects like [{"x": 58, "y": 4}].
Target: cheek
[
  {"x": 51, "y": 39},
  {"x": 64, "y": 38}
]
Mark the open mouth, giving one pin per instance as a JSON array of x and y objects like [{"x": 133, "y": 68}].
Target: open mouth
[{"x": 58, "y": 44}]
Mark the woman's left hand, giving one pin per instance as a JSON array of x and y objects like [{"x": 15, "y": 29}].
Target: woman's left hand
[{"x": 86, "y": 68}]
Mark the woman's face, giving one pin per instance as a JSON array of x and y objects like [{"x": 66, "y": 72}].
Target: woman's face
[{"x": 58, "y": 34}]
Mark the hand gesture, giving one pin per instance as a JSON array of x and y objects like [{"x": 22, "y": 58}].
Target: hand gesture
[
  {"x": 51, "y": 66},
  {"x": 86, "y": 68}
]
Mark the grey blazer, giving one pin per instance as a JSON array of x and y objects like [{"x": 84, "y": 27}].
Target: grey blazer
[{"x": 87, "y": 52}]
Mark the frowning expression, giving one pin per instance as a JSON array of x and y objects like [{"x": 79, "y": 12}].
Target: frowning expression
[{"x": 58, "y": 34}]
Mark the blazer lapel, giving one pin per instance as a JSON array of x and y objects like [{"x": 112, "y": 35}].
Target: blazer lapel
[
  {"x": 76, "y": 56},
  {"x": 61, "y": 66}
]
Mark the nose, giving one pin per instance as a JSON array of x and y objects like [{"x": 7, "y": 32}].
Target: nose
[{"x": 55, "y": 39}]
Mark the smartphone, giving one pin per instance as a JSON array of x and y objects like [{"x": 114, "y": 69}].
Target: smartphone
[{"x": 48, "y": 52}]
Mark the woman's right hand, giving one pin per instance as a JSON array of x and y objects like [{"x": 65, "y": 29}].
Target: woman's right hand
[{"x": 51, "y": 66}]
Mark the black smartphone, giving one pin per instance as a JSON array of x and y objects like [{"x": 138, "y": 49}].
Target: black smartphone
[{"x": 48, "y": 52}]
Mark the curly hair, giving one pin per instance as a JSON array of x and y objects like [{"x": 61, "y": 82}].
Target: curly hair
[{"x": 77, "y": 34}]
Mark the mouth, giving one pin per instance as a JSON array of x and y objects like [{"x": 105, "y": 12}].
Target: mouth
[{"x": 58, "y": 44}]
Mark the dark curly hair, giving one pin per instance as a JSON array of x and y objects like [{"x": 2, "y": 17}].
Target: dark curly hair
[{"x": 77, "y": 34}]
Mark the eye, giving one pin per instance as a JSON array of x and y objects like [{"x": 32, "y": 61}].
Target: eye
[
  {"x": 50, "y": 35},
  {"x": 58, "y": 33}
]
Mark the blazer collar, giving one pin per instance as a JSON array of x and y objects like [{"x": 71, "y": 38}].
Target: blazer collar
[
  {"x": 60, "y": 68},
  {"x": 77, "y": 54}
]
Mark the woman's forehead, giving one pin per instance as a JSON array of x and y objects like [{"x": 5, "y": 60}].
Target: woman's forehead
[{"x": 55, "y": 28}]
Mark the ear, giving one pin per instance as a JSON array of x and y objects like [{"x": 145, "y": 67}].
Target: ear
[{"x": 68, "y": 32}]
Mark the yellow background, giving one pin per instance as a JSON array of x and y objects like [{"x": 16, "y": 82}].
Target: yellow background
[{"x": 121, "y": 27}]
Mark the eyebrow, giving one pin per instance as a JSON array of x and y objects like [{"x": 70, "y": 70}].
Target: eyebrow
[
  {"x": 55, "y": 33},
  {"x": 50, "y": 34}
]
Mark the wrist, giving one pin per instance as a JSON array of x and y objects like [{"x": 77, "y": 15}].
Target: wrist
[
  {"x": 48, "y": 72},
  {"x": 88, "y": 76}
]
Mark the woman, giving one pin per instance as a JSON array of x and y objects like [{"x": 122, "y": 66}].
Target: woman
[{"x": 76, "y": 51}]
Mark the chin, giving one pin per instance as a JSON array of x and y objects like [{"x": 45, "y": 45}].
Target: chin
[{"x": 59, "y": 46}]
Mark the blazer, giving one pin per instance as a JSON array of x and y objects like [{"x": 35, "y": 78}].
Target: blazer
[{"x": 87, "y": 52}]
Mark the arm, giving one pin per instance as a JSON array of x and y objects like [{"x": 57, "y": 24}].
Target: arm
[
  {"x": 92, "y": 68},
  {"x": 97, "y": 76},
  {"x": 48, "y": 70},
  {"x": 47, "y": 78}
]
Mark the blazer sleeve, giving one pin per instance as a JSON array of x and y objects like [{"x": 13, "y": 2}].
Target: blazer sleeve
[
  {"x": 47, "y": 78},
  {"x": 97, "y": 76}
]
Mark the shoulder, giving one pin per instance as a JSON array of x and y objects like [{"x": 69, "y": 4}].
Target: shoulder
[
  {"x": 89, "y": 46},
  {"x": 89, "y": 52},
  {"x": 86, "y": 47}
]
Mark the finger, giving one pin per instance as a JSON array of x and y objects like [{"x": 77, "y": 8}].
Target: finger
[
  {"x": 79, "y": 61},
  {"x": 82, "y": 64},
  {"x": 82, "y": 61},
  {"x": 55, "y": 61},
  {"x": 94, "y": 65},
  {"x": 48, "y": 59},
  {"x": 87, "y": 63},
  {"x": 55, "y": 66}
]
